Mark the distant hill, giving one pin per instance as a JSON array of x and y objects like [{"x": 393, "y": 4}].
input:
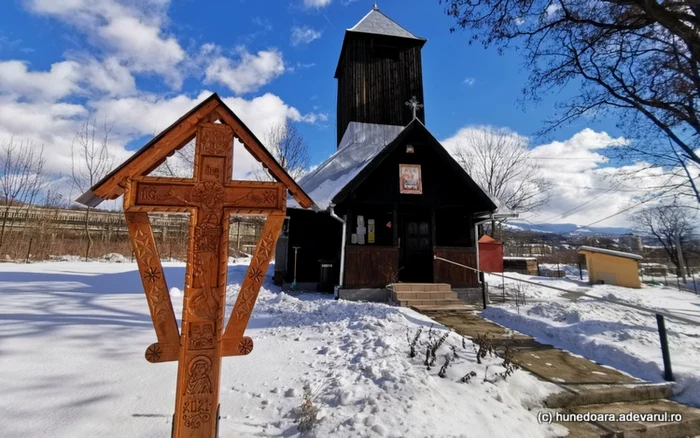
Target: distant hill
[{"x": 568, "y": 229}]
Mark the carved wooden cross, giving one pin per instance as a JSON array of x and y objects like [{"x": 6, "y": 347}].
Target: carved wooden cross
[{"x": 211, "y": 196}]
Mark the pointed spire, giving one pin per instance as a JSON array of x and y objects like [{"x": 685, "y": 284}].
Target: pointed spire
[{"x": 375, "y": 8}]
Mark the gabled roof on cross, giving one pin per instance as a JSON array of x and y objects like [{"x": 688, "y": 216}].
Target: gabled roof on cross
[{"x": 176, "y": 136}]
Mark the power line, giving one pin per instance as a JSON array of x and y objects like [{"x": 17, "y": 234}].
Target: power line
[
  {"x": 577, "y": 207},
  {"x": 619, "y": 212},
  {"x": 549, "y": 158}
]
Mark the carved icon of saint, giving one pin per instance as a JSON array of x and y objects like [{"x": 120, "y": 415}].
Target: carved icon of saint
[{"x": 199, "y": 382}]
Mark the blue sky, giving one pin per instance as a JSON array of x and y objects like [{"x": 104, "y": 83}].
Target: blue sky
[{"x": 141, "y": 64}]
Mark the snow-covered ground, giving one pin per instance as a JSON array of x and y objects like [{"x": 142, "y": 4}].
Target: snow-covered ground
[
  {"x": 73, "y": 336},
  {"x": 624, "y": 338}
]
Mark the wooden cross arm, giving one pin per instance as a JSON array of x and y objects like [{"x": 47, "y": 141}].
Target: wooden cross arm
[
  {"x": 157, "y": 353},
  {"x": 152, "y": 277},
  {"x": 180, "y": 195}
]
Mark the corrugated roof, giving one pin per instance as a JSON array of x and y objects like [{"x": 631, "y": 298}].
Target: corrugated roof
[
  {"x": 377, "y": 23},
  {"x": 627, "y": 255}
]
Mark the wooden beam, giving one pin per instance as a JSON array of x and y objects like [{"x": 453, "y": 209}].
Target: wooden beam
[
  {"x": 259, "y": 151},
  {"x": 254, "y": 277},
  {"x": 153, "y": 279},
  {"x": 154, "y": 154},
  {"x": 149, "y": 194}
]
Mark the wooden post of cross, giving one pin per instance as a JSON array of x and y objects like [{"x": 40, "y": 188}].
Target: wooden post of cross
[{"x": 211, "y": 196}]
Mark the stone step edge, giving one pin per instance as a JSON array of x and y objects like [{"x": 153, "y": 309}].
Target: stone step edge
[
  {"x": 409, "y": 303},
  {"x": 581, "y": 395},
  {"x": 424, "y": 295},
  {"x": 689, "y": 426}
]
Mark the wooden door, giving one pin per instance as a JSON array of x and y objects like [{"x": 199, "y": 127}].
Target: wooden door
[{"x": 416, "y": 251}]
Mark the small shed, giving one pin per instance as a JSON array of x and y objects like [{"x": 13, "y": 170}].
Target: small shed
[
  {"x": 490, "y": 254},
  {"x": 607, "y": 266},
  {"x": 521, "y": 265}
]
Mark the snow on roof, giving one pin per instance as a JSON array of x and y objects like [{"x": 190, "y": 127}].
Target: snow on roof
[
  {"x": 360, "y": 145},
  {"x": 627, "y": 255},
  {"x": 377, "y": 23},
  {"x": 519, "y": 258}
]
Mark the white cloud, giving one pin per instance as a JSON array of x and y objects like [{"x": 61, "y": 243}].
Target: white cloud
[
  {"x": 249, "y": 73},
  {"x": 109, "y": 76},
  {"x": 316, "y": 3},
  {"x": 587, "y": 187},
  {"x": 60, "y": 81},
  {"x": 303, "y": 35},
  {"x": 129, "y": 31},
  {"x": 144, "y": 47},
  {"x": 65, "y": 78},
  {"x": 52, "y": 125},
  {"x": 469, "y": 81}
]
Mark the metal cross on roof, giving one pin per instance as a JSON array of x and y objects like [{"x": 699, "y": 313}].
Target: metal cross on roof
[{"x": 413, "y": 103}]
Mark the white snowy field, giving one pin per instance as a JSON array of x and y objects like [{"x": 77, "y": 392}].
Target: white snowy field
[
  {"x": 621, "y": 337},
  {"x": 73, "y": 336}
]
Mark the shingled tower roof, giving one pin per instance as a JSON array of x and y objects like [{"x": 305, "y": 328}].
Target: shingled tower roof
[{"x": 379, "y": 24}]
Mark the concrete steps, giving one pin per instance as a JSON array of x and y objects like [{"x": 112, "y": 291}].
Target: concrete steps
[{"x": 425, "y": 295}]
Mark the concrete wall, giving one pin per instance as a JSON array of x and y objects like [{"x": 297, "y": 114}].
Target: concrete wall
[
  {"x": 607, "y": 269},
  {"x": 374, "y": 295}
]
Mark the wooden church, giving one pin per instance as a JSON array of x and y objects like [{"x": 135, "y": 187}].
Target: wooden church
[{"x": 391, "y": 197}]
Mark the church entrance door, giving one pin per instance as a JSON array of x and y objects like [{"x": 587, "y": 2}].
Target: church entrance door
[{"x": 416, "y": 248}]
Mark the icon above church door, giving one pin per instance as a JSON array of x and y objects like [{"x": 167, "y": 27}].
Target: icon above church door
[{"x": 410, "y": 181}]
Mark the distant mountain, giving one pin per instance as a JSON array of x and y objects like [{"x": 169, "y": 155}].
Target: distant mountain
[{"x": 568, "y": 229}]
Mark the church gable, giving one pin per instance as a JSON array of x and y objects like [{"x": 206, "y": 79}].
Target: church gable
[{"x": 416, "y": 154}]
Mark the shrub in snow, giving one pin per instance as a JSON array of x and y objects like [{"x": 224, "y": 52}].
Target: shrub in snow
[
  {"x": 307, "y": 412},
  {"x": 443, "y": 368},
  {"x": 412, "y": 343},
  {"x": 483, "y": 346},
  {"x": 468, "y": 377},
  {"x": 508, "y": 367},
  {"x": 427, "y": 357}
]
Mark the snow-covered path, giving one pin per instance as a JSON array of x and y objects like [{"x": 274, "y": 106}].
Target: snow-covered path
[
  {"x": 621, "y": 337},
  {"x": 73, "y": 335}
]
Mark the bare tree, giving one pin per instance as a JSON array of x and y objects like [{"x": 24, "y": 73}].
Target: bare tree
[
  {"x": 671, "y": 225},
  {"x": 90, "y": 162},
  {"x": 179, "y": 165},
  {"x": 22, "y": 167},
  {"x": 289, "y": 148},
  {"x": 638, "y": 59},
  {"x": 499, "y": 161}
]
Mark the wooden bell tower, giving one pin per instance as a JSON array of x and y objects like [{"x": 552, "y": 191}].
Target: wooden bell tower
[{"x": 378, "y": 71}]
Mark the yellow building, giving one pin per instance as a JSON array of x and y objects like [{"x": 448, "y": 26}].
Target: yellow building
[{"x": 606, "y": 266}]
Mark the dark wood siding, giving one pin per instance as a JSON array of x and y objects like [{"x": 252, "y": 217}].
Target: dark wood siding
[
  {"x": 318, "y": 236},
  {"x": 376, "y": 76},
  {"x": 455, "y": 275},
  {"x": 442, "y": 188},
  {"x": 370, "y": 266}
]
